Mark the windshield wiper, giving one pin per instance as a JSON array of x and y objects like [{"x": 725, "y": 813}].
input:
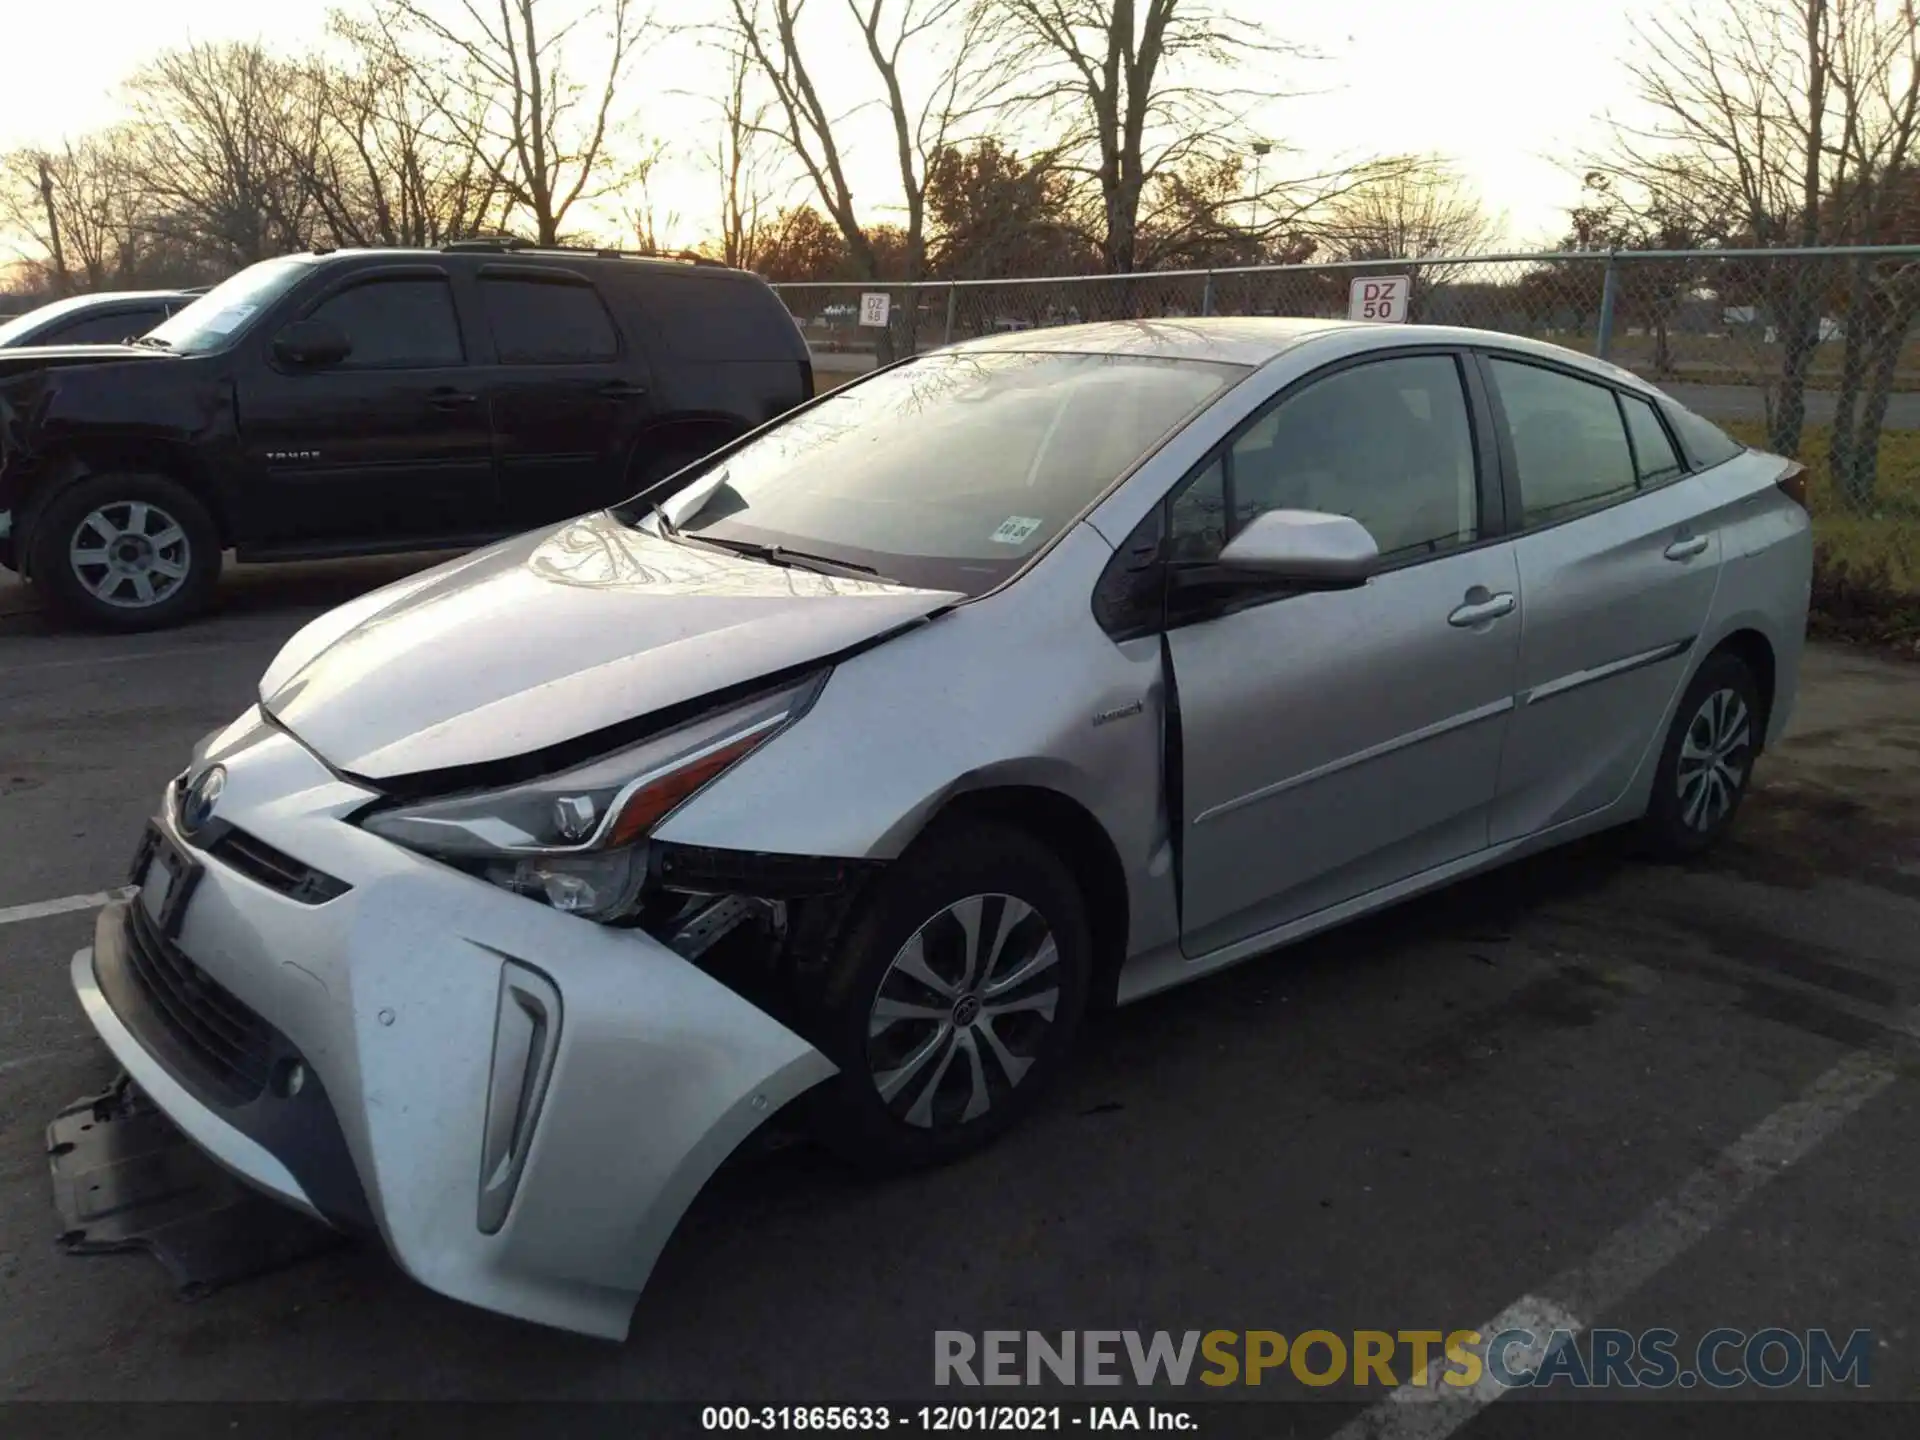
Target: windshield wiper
[
  {"x": 152, "y": 342},
  {"x": 781, "y": 555}
]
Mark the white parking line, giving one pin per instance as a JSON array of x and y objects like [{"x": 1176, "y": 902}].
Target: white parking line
[
  {"x": 1634, "y": 1254},
  {"x": 40, "y": 909}
]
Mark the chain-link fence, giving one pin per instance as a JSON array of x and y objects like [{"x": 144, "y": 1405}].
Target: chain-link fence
[{"x": 1810, "y": 353}]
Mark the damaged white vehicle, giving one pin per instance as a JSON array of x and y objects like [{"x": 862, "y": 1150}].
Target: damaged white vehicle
[{"x": 857, "y": 760}]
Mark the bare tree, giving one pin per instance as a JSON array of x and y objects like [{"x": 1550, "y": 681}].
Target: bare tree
[
  {"x": 388, "y": 169},
  {"x": 503, "y": 75},
  {"x": 1422, "y": 211},
  {"x": 1743, "y": 117},
  {"x": 1142, "y": 92},
  {"x": 223, "y": 135},
  {"x": 1787, "y": 122},
  {"x": 78, "y": 204},
  {"x": 740, "y": 162},
  {"x": 947, "y": 32},
  {"x": 1876, "y": 74}
]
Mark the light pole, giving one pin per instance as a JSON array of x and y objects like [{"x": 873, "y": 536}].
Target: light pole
[{"x": 1260, "y": 149}]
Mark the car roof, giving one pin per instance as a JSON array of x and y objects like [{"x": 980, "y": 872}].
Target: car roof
[
  {"x": 1253, "y": 340},
  {"x": 101, "y": 300}
]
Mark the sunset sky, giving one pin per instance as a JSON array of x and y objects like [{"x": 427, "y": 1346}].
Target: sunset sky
[{"x": 1502, "y": 87}]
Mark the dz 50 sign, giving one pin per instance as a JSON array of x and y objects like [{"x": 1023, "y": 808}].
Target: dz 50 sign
[{"x": 1379, "y": 297}]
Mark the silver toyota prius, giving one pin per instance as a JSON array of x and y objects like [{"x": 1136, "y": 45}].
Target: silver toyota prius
[{"x": 849, "y": 766}]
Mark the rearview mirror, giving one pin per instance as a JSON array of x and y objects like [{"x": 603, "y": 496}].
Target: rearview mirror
[
  {"x": 1306, "y": 546},
  {"x": 311, "y": 344}
]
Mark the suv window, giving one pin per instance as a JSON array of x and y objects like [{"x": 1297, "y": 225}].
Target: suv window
[
  {"x": 397, "y": 324},
  {"x": 1654, "y": 459},
  {"x": 547, "y": 322},
  {"x": 1706, "y": 443},
  {"x": 1568, "y": 441},
  {"x": 109, "y": 329},
  {"x": 1387, "y": 442}
]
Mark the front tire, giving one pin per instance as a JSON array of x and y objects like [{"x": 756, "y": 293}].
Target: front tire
[
  {"x": 955, "y": 999},
  {"x": 125, "y": 552},
  {"x": 1706, "y": 765}
]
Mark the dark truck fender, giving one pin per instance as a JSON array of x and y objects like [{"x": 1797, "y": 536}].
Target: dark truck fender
[{"x": 85, "y": 410}]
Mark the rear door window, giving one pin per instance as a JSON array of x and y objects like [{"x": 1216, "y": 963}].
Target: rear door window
[
  {"x": 547, "y": 322},
  {"x": 1569, "y": 442}
]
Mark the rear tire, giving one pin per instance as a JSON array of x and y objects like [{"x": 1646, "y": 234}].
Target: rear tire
[
  {"x": 955, "y": 999},
  {"x": 125, "y": 552},
  {"x": 1706, "y": 765}
]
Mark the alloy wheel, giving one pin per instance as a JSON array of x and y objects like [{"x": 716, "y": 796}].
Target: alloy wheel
[
  {"x": 1714, "y": 756},
  {"x": 130, "y": 554},
  {"x": 960, "y": 1016}
]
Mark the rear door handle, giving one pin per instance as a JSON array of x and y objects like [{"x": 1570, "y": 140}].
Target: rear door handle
[
  {"x": 1688, "y": 548},
  {"x": 622, "y": 390},
  {"x": 450, "y": 399},
  {"x": 1476, "y": 612}
]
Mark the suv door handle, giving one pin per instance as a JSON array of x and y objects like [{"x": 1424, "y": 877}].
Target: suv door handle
[
  {"x": 1686, "y": 549},
  {"x": 1476, "y": 612},
  {"x": 622, "y": 390},
  {"x": 447, "y": 398}
]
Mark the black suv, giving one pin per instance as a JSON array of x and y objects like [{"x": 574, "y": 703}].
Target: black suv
[{"x": 358, "y": 402}]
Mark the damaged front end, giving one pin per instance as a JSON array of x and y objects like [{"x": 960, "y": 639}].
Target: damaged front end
[{"x": 579, "y": 839}]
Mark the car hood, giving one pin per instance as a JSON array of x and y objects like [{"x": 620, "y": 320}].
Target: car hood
[
  {"x": 17, "y": 358},
  {"x": 553, "y": 636}
]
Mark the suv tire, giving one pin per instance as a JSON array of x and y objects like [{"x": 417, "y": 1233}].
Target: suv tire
[{"x": 125, "y": 552}]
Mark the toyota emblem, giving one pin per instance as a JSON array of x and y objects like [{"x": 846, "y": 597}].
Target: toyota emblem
[{"x": 196, "y": 809}]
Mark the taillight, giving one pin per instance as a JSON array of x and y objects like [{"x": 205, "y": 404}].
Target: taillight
[{"x": 1794, "y": 484}]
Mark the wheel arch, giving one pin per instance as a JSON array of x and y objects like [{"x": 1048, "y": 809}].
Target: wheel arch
[
  {"x": 1072, "y": 832},
  {"x": 1754, "y": 650},
  {"x": 70, "y": 465}
]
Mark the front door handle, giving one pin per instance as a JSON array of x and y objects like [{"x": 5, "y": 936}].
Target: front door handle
[
  {"x": 622, "y": 390},
  {"x": 1479, "y": 611},
  {"x": 451, "y": 399},
  {"x": 1687, "y": 548}
]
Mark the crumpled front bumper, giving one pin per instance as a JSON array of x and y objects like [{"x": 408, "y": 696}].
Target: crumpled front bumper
[{"x": 528, "y": 1101}]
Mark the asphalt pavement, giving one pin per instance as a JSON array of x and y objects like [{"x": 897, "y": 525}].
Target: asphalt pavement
[{"x": 1583, "y": 1086}]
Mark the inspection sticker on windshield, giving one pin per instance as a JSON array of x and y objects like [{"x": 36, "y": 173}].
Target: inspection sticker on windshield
[{"x": 1014, "y": 529}]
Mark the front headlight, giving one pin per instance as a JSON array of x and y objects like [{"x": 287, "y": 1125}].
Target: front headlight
[{"x": 578, "y": 839}]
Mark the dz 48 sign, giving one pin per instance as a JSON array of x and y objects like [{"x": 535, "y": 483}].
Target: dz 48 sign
[{"x": 1379, "y": 297}]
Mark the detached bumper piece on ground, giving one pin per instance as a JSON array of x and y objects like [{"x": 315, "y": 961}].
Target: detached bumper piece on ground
[{"x": 125, "y": 1178}]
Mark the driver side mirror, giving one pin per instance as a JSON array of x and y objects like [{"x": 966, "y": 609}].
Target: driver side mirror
[
  {"x": 1307, "y": 547},
  {"x": 311, "y": 345}
]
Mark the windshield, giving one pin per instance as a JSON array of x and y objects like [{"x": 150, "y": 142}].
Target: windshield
[
  {"x": 947, "y": 472},
  {"x": 211, "y": 322}
]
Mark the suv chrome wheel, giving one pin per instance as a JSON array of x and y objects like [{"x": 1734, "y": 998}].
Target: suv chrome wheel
[
  {"x": 130, "y": 555},
  {"x": 962, "y": 1011}
]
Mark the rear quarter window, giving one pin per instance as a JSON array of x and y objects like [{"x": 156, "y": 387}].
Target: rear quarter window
[
  {"x": 711, "y": 317},
  {"x": 1704, "y": 442}
]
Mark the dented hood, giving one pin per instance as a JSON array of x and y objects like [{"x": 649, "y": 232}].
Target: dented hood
[{"x": 556, "y": 635}]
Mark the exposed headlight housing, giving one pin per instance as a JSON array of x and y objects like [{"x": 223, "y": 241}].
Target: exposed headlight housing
[{"x": 578, "y": 839}]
